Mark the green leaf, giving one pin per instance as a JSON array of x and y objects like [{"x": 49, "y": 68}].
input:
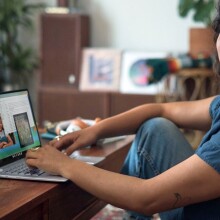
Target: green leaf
[
  {"x": 185, "y": 6},
  {"x": 15, "y": 14},
  {"x": 202, "y": 10}
]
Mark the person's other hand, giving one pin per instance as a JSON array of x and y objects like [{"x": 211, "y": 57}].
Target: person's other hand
[
  {"x": 75, "y": 140},
  {"x": 2, "y": 144},
  {"x": 47, "y": 158},
  {"x": 6, "y": 144}
]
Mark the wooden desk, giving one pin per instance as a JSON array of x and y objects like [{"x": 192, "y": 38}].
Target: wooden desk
[{"x": 42, "y": 200}]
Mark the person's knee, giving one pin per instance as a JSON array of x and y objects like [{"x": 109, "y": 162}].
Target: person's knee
[
  {"x": 157, "y": 125},
  {"x": 155, "y": 131}
]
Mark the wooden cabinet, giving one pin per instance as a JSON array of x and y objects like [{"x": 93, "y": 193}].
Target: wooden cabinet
[
  {"x": 62, "y": 38},
  {"x": 123, "y": 102},
  {"x": 65, "y": 103}
]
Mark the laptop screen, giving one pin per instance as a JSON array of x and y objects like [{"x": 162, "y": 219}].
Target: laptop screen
[{"x": 18, "y": 131}]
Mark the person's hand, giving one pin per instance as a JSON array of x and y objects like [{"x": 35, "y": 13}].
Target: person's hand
[
  {"x": 75, "y": 140},
  {"x": 48, "y": 159},
  {"x": 2, "y": 144},
  {"x": 10, "y": 142},
  {"x": 6, "y": 144}
]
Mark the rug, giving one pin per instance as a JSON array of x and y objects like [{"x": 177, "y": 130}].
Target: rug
[{"x": 110, "y": 212}]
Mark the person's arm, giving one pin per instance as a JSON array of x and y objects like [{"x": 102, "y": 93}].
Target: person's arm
[
  {"x": 189, "y": 182},
  {"x": 189, "y": 114},
  {"x": 193, "y": 114}
]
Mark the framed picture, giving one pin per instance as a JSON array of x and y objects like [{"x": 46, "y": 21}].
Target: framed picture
[
  {"x": 137, "y": 76},
  {"x": 100, "y": 70}
]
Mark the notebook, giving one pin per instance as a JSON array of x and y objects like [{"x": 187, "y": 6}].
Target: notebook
[{"x": 19, "y": 133}]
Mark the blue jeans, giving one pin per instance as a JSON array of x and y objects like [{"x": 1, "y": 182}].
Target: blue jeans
[{"x": 158, "y": 146}]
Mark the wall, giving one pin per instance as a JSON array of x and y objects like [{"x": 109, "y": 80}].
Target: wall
[
  {"x": 138, "y": 24},
  {"x": 134, "y": 24},
  {"x": 152, "y": 25}
]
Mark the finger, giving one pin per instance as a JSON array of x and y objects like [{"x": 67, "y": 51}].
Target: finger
[
  {"x": 57, "y": 138},
  {"x": 52, "y": 142},
  {"x": 72, "y": 148},
  {"x": 31, "y": 154},
  {"x": 63, "y": 142},
  {"x": 32, "y": 163}
]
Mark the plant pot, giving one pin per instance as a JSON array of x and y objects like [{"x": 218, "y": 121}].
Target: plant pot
[{"x": 201, "y": 41}]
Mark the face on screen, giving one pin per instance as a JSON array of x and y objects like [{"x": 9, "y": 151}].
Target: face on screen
[
  {"x": 6, "y": 140},
  {"x": 17, "y": 127}
]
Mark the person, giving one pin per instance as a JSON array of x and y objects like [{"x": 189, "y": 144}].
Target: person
[
  {"x": 5, "y": 140},
  {"x": 162, "y": 173}
]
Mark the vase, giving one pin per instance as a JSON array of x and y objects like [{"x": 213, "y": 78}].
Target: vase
[{"x": 201, "y": 41}]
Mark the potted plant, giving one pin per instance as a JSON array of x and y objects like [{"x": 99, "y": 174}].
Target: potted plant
[
  {"x": 17, "y": 62},
  {"x": 203, "y": 11},
  {"x": 200, "y": 39}
]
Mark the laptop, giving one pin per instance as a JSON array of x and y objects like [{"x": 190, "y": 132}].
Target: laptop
[{"x": 19, "y": 133}]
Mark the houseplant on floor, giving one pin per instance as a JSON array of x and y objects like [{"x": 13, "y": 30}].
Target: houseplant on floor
[{"x": 17, "y": 61}]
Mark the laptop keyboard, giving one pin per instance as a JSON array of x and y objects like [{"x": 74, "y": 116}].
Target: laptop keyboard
[{"x": 21, "y": 169}]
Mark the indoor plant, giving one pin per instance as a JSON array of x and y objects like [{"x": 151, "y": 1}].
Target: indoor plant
[
  {"x": 16, "y": 60},
  {"x": 203, "y": 10},
  {"x": 200, "y": 38}
]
